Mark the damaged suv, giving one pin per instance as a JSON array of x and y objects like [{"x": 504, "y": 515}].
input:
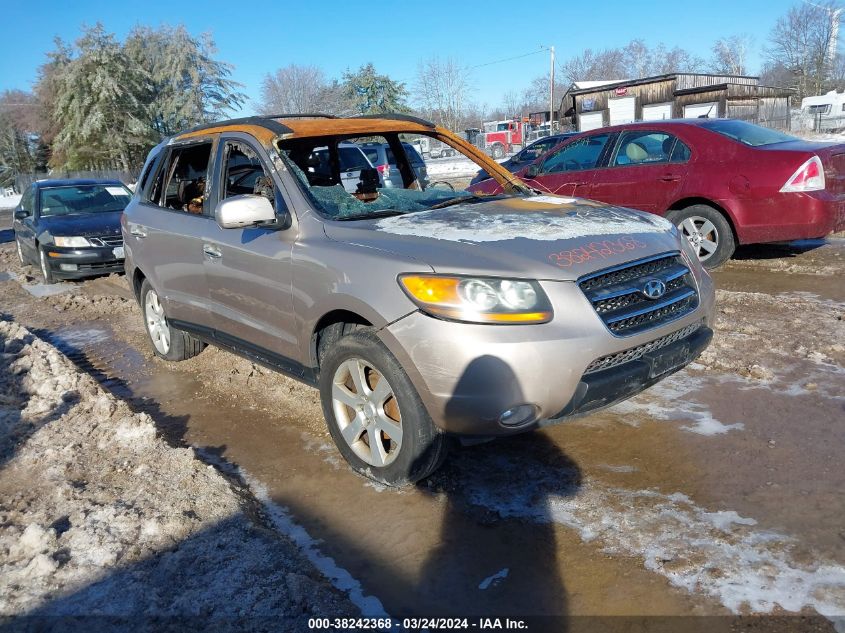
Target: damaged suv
[{"x": 420, "y": 312}]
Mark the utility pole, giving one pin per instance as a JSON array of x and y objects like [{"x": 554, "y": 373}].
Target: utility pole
[{"x": 552, "y": 91}]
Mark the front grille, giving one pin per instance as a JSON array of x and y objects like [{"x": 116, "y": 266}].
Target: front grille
[
  {"x": 618, "y": 295},
  {"x": 112, "y": 241},
  {"x": 634, "y": 353}
]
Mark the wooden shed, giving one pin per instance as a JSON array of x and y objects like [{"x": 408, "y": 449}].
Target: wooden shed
[{"x": 675, "y": 96}]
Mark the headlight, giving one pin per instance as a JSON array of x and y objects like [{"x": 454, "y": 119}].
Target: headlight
[
  {"x": 478, "y": 299},
  {"x": 71, "y": 242}
]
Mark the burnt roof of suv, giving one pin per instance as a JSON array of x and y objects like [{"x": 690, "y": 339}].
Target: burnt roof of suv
[{"x": 266, "y": 128}]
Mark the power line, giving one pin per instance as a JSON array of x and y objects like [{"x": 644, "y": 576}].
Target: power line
[{"x": 507, "y": 59}]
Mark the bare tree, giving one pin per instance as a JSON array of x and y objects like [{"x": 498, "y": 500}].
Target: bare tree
[
  {"x": 674, "y": 60},
  {"x": 535, "y": 98},
  {"x": 730, "y": 55},
  {"x": 802, "y": 42},
  {"x": 512, "y": 103},
  {"x": 293, "y": 89},
  {"x": 442, "y": 88},
  {"x": 635, "y": 59},
  {"x": 638, "y": 58},
  {"x": 606, "y": 64}
]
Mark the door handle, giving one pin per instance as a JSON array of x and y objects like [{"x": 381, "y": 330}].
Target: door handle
[
  {"x": 670, "y": 177},
  {"x": 137, "y": 231},
  {"x": 211, "y": 251}
]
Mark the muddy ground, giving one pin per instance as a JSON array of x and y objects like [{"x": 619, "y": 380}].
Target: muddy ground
[{"x": 717, "y": 492}]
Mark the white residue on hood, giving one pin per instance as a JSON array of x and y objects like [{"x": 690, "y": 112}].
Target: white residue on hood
[{"x": 478, "y": 226}]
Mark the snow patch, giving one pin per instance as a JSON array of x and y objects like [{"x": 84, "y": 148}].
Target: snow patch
[
  {"x": 670, "y": 400},
  {"x": 9, "y": 202},
  {"x": 494, "y": 579},
  {"x": 46, "y": 290}
]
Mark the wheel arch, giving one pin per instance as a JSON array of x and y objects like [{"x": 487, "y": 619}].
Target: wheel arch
[
  {"x": 138, "y": 278},
  {"x": 684, "y": 203},
  {"x": 330, "y": 327}
]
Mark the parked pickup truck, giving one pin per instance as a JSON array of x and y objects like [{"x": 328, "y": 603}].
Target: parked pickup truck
[{"x": 421, "y": 313}]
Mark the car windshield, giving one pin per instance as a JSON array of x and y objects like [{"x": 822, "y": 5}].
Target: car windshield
[
  {"x": 746, "y": 133},
  {"x": 81, "y": 199},
  {"x": 369, "y": 192}
]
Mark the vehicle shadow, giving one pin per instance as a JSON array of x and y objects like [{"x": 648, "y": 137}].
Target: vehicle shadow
[
  {"x": 777, "y": 250},
  {"x": 490, "y": 562}
]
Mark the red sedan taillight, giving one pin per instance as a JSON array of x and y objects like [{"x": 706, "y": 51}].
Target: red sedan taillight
[{"x": 809, "y": 177}]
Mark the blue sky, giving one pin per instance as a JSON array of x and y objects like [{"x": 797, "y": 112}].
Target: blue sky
[{"x": 260, "y": 37}]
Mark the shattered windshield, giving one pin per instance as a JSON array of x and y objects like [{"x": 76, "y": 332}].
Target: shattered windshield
[{"x": 343, "y": 184}]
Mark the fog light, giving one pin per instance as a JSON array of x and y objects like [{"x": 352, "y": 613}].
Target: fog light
[
  {"x": 69, "y": 267},
  {"x": 519, "y": 415}
]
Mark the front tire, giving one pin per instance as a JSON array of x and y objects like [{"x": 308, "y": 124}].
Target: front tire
[
  {"x": 168, "y": 342},
  {"x": 46, "y": 273},
  {"x": 374, "y": 414},
  {"x": 19, "y": 249},
  {"x": 708, "y": 232}
]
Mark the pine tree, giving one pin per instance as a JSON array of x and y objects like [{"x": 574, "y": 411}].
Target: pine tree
[
  {"x": 185, "y": 85},
  {"x": 371, "y": 93},
  {"x": 97, "y": 105}
]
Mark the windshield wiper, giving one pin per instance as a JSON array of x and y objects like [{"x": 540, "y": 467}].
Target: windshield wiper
[
  {"x": 459, "y": 200},
  {"x": 366, "y": 216}
]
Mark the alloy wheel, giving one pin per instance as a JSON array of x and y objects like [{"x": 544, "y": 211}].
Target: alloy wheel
[
  {"x": 367, "y": 412},
  {"x": 702, "y": 235},
  {"x": 156, "y": 322}
]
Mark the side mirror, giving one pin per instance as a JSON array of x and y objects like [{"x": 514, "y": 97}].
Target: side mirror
[
  {"x": 240, "y": 211},
  {"x": 532, "y": 171},
  {"x": 20, "y": 214}
]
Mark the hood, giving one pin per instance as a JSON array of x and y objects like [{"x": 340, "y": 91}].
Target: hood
[
  {"x": 539, "y": 237},
  {"x": 86, "y": 224}
]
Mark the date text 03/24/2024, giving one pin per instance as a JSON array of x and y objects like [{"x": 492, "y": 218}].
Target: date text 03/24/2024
[{"x": 414, "y": 624}]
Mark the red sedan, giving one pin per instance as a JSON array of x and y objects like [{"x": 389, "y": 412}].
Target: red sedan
[{"x": 723, "y": 182}]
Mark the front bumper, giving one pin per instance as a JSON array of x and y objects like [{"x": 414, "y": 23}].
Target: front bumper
[
  {"x": 468, "y": 375},
  {"x": 607, "y": 387},
  {"x": 87, "y": 261}
]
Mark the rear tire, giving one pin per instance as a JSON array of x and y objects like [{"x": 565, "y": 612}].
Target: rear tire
[
  {"x": 360, "y": 409},
  {"x": 168, "y": 342},
  {"x": 708, "y": 231}
]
